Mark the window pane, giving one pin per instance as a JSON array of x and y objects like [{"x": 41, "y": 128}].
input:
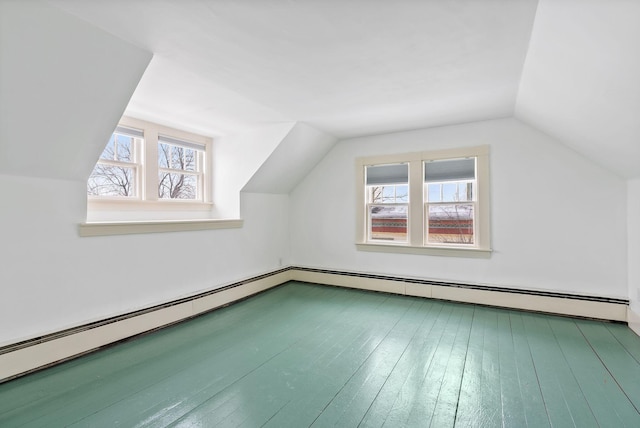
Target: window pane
[
  {"x": 449, "y": 192},
  {"x": 388, "y": 223},
  {"x": 177, "y": 186},
  {"x": 465, "y": 191},
  {"x": 124, "y": 146},
  {"x": 456, "y": 191},
  {"x": 434, "y": 194},
  {"x": 402, "y": 193},
  {"x": 391, "y": 194},
  {"x": 176, "y": 157},
  {"x": 109, "y": 151},
  {"x": 119, "y": 147},
  {"x": 375, "y": 194},
  {"x": 388, "y": 194},
  {"x": 450, "y": 224},
  {"x": 164, "y": 151},
  {"x": 108, "y": 180},
  {"x": 189, "y": 159}
]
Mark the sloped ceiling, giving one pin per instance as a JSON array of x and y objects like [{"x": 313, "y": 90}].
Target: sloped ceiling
[
  {"x": 581, "y": 80},
  {"x": 62, "y": 89},
  {"x": 298, "y": 152},
  {"x": 352, "y": 68}
]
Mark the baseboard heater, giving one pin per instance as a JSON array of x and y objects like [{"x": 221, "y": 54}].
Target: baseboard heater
[{"x": 20, "y": 358}]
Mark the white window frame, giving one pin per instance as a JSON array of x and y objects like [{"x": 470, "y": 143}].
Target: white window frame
[
  {"x": 416, "y": 222},
  {"x": 146, "y": 198},
  {"x": 135, "y": 164},
  {"x": 370, "y": 203},
  {"x": 199, "y": 172}
]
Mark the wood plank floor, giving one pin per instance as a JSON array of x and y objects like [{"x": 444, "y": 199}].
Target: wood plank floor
[{"x": 307, "y": 355}]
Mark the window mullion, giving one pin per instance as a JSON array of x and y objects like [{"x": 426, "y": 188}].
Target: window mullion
[
  {"x": 179, "y": 171},
  {"x": 150, "y": 166},
  {"x": 416, "y": 192},
  {"x": 198, "y": 165},
  {"x": 481, "y": 201},
  {"x": 117, "y": 163}
]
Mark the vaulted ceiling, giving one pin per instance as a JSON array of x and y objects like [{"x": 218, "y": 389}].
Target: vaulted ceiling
[{"x": 351, "y": 68}]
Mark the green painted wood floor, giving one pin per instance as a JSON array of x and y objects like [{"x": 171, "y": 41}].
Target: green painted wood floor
[{"x": 305, "y": 355}]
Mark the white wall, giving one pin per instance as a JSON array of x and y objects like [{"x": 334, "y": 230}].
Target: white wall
[
  {"x": 633, "y": 219},
  {"x": 298, "y": 152},
  {"x": 579, "y": 81},
  {"x": 63, "y": 87},
  {"x": 51, "y": 278},
  {"x": 237, "y": 158},
  {"x": 558, "y": 220}
]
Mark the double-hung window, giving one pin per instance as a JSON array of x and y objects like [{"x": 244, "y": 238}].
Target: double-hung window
[
  {"x": 117, "y": 172},
  {"x": 449, "y": 186},
  {"x": 427, "y": 202},
  {"x": 180, "y": 169},
  {"x": 387, "y": 202},
  {"x": 146, "y": 166}
]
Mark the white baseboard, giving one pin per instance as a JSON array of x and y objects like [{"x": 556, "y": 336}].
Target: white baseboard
[
  {"x": 19, "y": 360},
  {"x": 28, "y": 356},
  {"x": 515, "y": 299},
  {"x": 633, "y": 318}
]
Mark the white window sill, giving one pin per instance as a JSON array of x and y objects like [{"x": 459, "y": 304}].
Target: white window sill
[
  {"x": 432, "y": 251},
  {"x": 123, "y": 204},
  {"x": 161, "y": 226}
]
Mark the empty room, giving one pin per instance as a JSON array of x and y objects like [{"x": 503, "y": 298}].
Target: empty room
[{"x": 294, "y": 213}]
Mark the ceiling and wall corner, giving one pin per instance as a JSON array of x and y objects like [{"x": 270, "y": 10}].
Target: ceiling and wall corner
[{"x": 567, "y": 67}]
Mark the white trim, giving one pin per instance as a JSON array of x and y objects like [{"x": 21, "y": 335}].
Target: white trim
[
  {"x": 136, "y": 227},
  {"x": 129, "y": 131},
  {"x": 505, "y": 299},
  {"x": 633, "y": 318},
  {"x": 166, "y": 139},
  {"x": 148, "y": 171},
  {"x": 417, "y": 237},
  {"x": 122, "y": 204},
  {"x": 402, "y": 248},
  {"x": 164, "y": 130},
  {"x": 29, "y": 358}
]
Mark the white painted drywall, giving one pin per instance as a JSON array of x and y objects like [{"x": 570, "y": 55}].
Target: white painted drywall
[
  {"x": 301, "y": 149},
  {"x": 51, "y": 278},
  {"x": 64, "y": 85},
  {"x": 236, "y": 159},
  {"x": 558, "y": 219},
  {"x": 633, "y": 225},
  {"x": 580, "y": 79}
]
